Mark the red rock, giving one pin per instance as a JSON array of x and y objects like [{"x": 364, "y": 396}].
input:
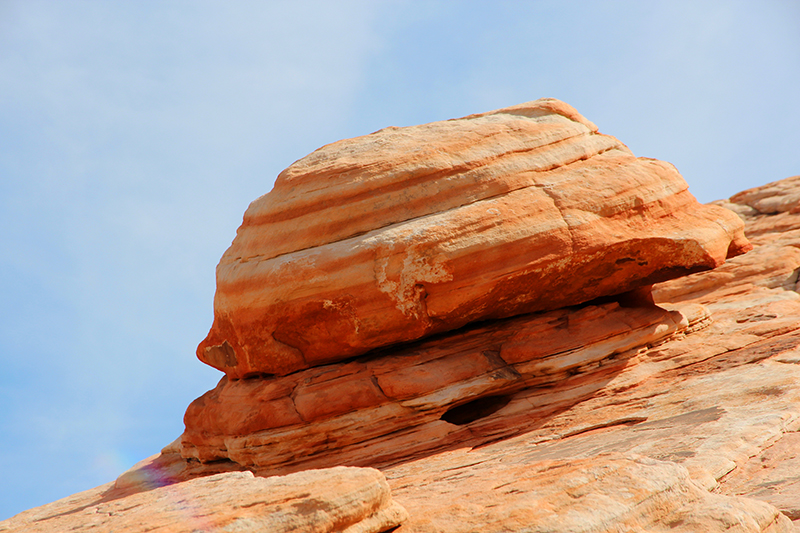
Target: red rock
[
  {"x": 359, "y": 407},
  {"x": 408, "y": 232},
  {"x": 607, "y": 416},
  {"x": 700, "y": 398}
]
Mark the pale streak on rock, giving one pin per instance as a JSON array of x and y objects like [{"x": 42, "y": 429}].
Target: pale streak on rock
[
  {"x": 616, "y": 416},
  {"x": 421, "y": 230},
  {"x": 699, "y": 403}
]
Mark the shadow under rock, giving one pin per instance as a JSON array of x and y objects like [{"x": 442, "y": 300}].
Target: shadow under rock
[{"x": 512, "y": 398}]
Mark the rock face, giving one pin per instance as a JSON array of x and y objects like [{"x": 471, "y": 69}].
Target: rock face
[
  {"x": 350, "y": 500},
  {"x": 615, "y": 415},
  {"x": 425, "y": 396},
  {"x": 715, "y": 409},
  {"x": 408, "y": 232},
  {"x": 571, "y": 398}
]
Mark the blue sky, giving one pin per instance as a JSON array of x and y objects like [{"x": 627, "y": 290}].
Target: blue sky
[{"x": 133, "y": 135}]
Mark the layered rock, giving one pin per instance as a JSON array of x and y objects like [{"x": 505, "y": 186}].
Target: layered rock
[
  {"x": 407, "y": 232},
  {"x": 634, "y": 438},
  {"x": 424, "y": 396},
  {"x": 672, "y": 411},
  {"x": 348, "y": 500},
  {"x": 717, "y": 409},
  {"x": 604, "y": 493}
]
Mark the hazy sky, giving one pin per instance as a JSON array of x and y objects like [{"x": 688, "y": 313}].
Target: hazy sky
[{"x": 134, "y": 134}]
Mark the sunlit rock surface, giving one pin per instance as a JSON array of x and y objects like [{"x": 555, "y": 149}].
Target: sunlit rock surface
[
  {"x": 407, "y": 232},
  {"x": 690, "y": 427},
  {"x": 350, "y": 500},
  {"x": 672, "y": 411},
  {"x": 405, "y": 401}
]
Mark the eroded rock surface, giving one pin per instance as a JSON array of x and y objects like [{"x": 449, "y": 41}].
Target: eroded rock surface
[
  {"x": 350, "y": 500},
  {"x": 407, "y": 232},
  {"x": 672, "y": 411},
  {"x": 688, "y": 410},
  {"x": 420, "y": 398}
]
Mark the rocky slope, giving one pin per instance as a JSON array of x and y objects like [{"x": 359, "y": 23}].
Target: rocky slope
[{"x": 462, "y": 315}]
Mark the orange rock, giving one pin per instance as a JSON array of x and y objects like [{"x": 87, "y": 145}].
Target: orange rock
[
  {"x": 350, "y": 500},
  {"x": 324, "y": 415},
  {"x": 620, "y": 414},
  {"x": 776, "y": 197},
  {"x": 475, "y": 424},
  {"x": 772, "y": 476},
  {"x": 481, "y": 490},
  {"x": 408, "y": 232}
]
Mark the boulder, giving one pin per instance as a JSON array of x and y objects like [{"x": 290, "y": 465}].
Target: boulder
[
  {"x": 608, "y": 416},
  {"x": 409, "y": 232},
  {"x": 720, "y": 403}
]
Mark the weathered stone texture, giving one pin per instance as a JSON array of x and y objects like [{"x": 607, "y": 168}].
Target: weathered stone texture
[
  {"x": 408, "y": 232},
  {"x": 446, "y": 303},
  {"x": 347, "y": 500}
]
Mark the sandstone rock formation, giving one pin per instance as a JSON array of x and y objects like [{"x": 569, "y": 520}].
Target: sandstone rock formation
[
  {"x": 350, "y": 500},
  {"x": 702, "y": 419},
  {"x": 569, "y": 399},
  {"x": 408, "y": 232},
  {"x": 421, "y": 397}
]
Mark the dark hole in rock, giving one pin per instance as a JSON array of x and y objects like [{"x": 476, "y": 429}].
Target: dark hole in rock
[
  {"x": 258, "y": 375},
  {"x": 475, "y": 410}
]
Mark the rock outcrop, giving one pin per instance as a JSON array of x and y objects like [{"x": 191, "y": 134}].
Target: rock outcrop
[
  {"x": 494, "y": 384},
  {"x": 348, "y": 500},
  {"x": 421, "y": 397},
  {"x": 708, "y": 421},
  {"x": 408, "y": 232}
]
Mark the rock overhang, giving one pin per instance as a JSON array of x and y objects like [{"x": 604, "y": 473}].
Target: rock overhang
[{"x": 409, "y": 232}]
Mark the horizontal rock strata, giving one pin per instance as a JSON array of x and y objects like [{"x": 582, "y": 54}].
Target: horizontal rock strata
[
  {"x": 721, "y": 403},
  {"x": 408, "y": 232},
  {"x": 672, "y": 411},
  {"x": 702, "y": 410},
  {"x": 605, "y": 493},
  {"x": 424, "y": 395},
  {"x": 347, "y": 500}
]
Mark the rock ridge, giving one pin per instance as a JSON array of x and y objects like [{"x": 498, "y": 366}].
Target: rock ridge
[{"x": 363, "y": 407}]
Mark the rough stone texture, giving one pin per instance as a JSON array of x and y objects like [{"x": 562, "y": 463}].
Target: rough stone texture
[
  {"x": 421, "y": 396},
  {"x": 483, "y": 491},
  {"x": 720, "y": 403},
  {"x": 615, "y": 415},
  {"x": 408, "y": 232},
  {"x": 664, "y": 421},
  {"x": 350, "y": 500},
  {"x": 772, "y": 476},
  {"x": 776, "y": 197}
]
